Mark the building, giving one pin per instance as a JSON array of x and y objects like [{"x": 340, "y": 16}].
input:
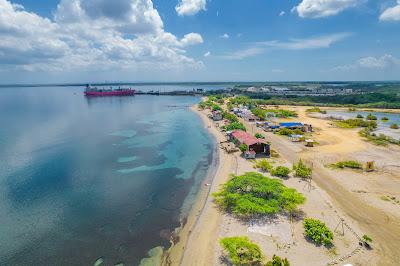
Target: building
[
  {"x": 291, "y": 125},
  {"x": 254, "y": 146},
  {"x": 217, "y": 115}
]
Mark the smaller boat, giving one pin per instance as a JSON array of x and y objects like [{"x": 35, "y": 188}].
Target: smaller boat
[{"x": 94, "y": 91}]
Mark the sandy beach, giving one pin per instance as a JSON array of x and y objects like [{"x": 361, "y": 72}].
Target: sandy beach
[{"x": 333, "y": 196}]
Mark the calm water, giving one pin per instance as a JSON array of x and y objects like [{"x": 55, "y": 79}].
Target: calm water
[
  {"x": 82, "y": 179},
  {"x": 383, "y": 127}
]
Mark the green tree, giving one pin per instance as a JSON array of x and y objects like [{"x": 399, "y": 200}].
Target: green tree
[
  {"x": 264, "y": 165},
  {"x": 253, "y": 194},
  {"x": 394, "y": 126},
  {"x": 259, "y": 136},
  {"x": 242, "y": 251},
  {"x": 235, "y": 126}
]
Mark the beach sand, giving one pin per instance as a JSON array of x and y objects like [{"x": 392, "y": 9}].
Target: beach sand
[{"x": 333, "y": 195}]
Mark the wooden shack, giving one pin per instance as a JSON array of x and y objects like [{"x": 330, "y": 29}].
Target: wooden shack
[{"x": 257, "y": 146}]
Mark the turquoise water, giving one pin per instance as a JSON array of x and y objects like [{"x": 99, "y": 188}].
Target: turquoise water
[{"x": 83, "y": 179}]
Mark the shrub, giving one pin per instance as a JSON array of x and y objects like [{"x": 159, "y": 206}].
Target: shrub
[
  {"x": 259, "y": 136},
  {"x": 371, "y": 117},
  {"x": 301, "y": 170},
  {"x": 235, "y": 126},
  {"x": 277, "y": 261},
  {"x": 385, "y": 119},
  {"x": 359, "y": 116},
  {"x": 264, "y": 165},
  {"x": 315, "y": 110},
  {"x": 347, "y": 164},
  {"x": 354, "y": 123},
  {"x": 317, "y": 231},
  {"x": 242, "y": 251},
  {"x": 367, "y": 239},
  {"x": 230, "y": 117},
  {"x": 352, "y": 109},
  {"x": 281, "y": 171},
  {"x": 285, "y": 131},
  {"x": 252, "y": 194},
  {"x": 394, "y": 126},
  {"x": 243, "y": 147}
]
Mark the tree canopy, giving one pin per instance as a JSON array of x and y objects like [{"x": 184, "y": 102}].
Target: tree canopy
[{"x": 253, "y": 194}]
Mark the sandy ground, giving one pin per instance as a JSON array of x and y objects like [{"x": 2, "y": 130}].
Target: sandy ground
[{"x": 355, "y": 197}]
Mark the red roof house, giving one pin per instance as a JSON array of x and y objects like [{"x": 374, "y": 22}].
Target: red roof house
[{"x": 259, "y": 146}]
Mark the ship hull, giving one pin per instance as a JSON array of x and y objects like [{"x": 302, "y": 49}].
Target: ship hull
[{"x": 110, "y": 93}]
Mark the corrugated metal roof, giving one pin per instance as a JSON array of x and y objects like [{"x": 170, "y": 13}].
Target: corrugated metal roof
[{"x": 246, "y": 138}]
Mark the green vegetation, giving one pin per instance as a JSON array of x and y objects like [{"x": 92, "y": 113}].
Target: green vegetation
[
  {"x": 385, "y": 119},
  {"x": 367, "y": 239},
  {"x": 380, "y": 139},
  {"x": 287, "y": 132},
  {"x": 352, "y": 109},
  {"x": 318, "y": 232},
  {"x": 243, "y": 147},
  {"x": 347, "y": 164},
  {"x": 259, "y": 136},
  {"x": 301, "y": 170},
  {"x": 277, "y": 261},
  {"x": 242, "y": 251},
  {"x": 264, "y": 165},
  {"x": 394, "y": 126},
  {"x": 315, "y": 110},
  {"x": 231, "y": 117},
  {"x": 235, "y": 126},
  {"x": 371, "y": 117},
  {"x": 252, "y": 194},
  {"x": 281, "y": 113},
  {"x": 281, "y": 171},
  {"x": 260, "y": 113},
  {"x": 354, "y": 123},
  {"x": 359, "y": 116}
]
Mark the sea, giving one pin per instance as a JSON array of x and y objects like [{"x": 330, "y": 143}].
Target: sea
[{"x": 95, "y": 181}]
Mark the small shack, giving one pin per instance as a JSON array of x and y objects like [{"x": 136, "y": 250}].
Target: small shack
[
  {"x": 217, "y": 115},
  {"x": 255, "y": 146}
]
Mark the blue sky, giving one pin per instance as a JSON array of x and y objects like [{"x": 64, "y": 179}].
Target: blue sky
[{"x": 199, "y": 40}]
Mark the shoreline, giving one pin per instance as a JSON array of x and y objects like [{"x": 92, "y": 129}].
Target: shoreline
[{"x": 175, "y": 255}]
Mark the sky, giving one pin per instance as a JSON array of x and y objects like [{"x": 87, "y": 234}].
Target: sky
[{"x": 58, "y": 41}]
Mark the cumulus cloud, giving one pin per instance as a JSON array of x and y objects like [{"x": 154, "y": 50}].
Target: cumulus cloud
[
  {"x": 324, "y": 8},
  {"x": 386, "y": 61},
  {"x": 391, "y": 13},
  {"x": 282, "y": 13},
  {"x": 91, "y": 34},
  {"x": 207, "y": 54},
  {"x": 190, "y": 7}
]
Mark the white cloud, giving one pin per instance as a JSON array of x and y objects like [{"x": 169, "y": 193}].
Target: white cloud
[
  {"x": 386, "y": 61},
  {"x": 190, "y": 7},
  {"x": 282, "y": 13},
  {"x": 293, "y": 44},
  {"x": 310, "y": 43},
  {"x": 224, "y": 36},
  {"x": 207, "y": 54},
  {"x": 91, "y": 34},
  {"x": 324, "y": 8},
  {"x": 391, "y": 13}
]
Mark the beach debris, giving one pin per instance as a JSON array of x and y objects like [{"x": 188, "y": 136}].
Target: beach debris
[{"x": 370, "y": 166}]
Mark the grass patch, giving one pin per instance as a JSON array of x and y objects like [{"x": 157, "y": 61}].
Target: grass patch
[
  {"x": 380, "y": 139},
  {"x": 355, "y": 123},
  {"x": 316, "y": 110},
  {"x": 347, "y": 164},
  {"x": 241, "y": 251}
]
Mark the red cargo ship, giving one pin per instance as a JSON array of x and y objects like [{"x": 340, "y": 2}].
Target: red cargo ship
[{"x": 93, "y": 91}]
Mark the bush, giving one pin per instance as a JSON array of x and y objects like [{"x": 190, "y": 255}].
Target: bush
[
  {"x": 301, "y": 170},
  {"x": 285, "y": 131},
  {"x": 318, "y": 232},
  {"x": 259, "y": 136},
  {"x": 354, "y": 123},
  {"x": 277, "y": 261},
  {"x": 252, "y": 194},
  {"x": 394, "y": 126},
  {"x": 347, "y": 164},
  {"x": 385, "y": 119},
  {"x": 235, "y": 126},
  {"x": 367, "y": 239},
  {"x": 264, "y": 165},
  {"x": 359, "y": 116},
  {"x": 231, "y": 117},
  {"x": 371, "y": 117},
  {"x": 243, "y": 147},
  {"x": 281, "y": 171},
  {"x": 315, "y": 110},
  {"x": 242, "y": 251}
]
